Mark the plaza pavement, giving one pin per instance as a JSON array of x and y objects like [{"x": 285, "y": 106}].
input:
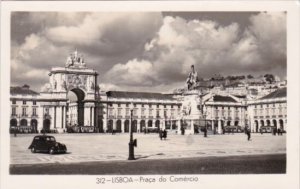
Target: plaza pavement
[{"x": 106, "y": 147}]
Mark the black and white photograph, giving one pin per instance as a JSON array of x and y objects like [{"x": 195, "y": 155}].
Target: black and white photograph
[{"x": 162, "y": 96}]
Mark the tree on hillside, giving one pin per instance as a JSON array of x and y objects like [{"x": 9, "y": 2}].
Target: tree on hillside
[{"x": 269, "y": 78}]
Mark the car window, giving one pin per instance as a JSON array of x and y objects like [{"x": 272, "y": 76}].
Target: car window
[{"x": 50, "y": 139}]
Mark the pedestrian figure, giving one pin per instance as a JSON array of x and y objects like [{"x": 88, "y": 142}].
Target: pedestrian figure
[
  {"x": 205, "y": 132},
  {"x": 274, "y": 131},
  {"x": 279, "y": 131},
  {"x": 15, "y": 132},
  {"x": 248, "y": 132},
  {"x": 182, "y": 130},
  {"x": 160, "y": 134},
  {"x": 165, "y": 134}
]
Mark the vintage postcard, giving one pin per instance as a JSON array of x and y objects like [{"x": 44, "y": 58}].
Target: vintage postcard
[{"x": 150, "y": 94}]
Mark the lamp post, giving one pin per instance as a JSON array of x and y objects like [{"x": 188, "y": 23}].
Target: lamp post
[
  {"x": 131, "y": 141},
  {"x": 205, "y": 126}
]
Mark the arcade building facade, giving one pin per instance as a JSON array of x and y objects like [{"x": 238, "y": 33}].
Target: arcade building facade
[{"x": 53, "y": 110}]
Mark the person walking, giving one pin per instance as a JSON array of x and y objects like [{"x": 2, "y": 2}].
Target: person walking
[
  {"x": 248, "y": 132},
  {"x": 205, "y": 132},
  {"x": 160, "y": 134},
  {"x": 165, "y": 134}
]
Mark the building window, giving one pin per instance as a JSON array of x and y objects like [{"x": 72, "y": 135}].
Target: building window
[
  {"x": 217, "y": 112},
  {"x": 274, "y": 105},
  {"x": 280, "y": 111},
  {"x": 24, "y": 102},
  {"x": 236, "y": 113},
  {"x": 110, "y": 112},
  {"x": 157, "y": 105},
  {"x": 110, "y": 104},
  {"x": 127, "y": 105},
  {"x": 172, "y": 112},
  {"x": 134, "y": 105},
  {"x": 34, "y": 111},
  {"x": 127, "y": 111},
  {"x": 134, "y": 111},
  {"x": 13, "y": 101},
  {"x": 13, "y": 111},
  {"x": 119, "y": 111},
  {"x": 178, "y": 106},
  {"x": 150, "y": 112},
  {"x": 150, "y": 105},
  {"x": 24, "y": 110},
  {"x": 34, "y": 102},
  {"x": 267, "y": 105},
  {"x": 157, "y": 113},
  {"x": 171, "y": 106},
  {"x": 47, "y": 111},
  {"x": 143, "y": 112},
  {"x": 229, "y": 113},
  {"x": 119, "y": 105},
  {"x": 165, "y": 113},
  {"x": 165, "y": 106},
  {"x": 142, "y": 105}
]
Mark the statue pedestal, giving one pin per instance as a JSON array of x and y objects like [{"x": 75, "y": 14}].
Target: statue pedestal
[{"x": 191, "y": 111}]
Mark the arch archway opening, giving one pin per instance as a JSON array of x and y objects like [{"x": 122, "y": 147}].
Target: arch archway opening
[
  {"x": 256, "y": 126},
  {"x": 119, "y": 126},
  {"x": 46, "y": 126},
  {"x": 126, "y": 124},
  {"x": 110, "y": 126},
  {"x": 134, "y": 126},
  {"x": 34, "y": 125},
  {"x": 262, "y": 123},
  {"x": 75, "y": 109},
  {"x": 275, "y": 123},
  {"x": 142, "y": 125},
  {"x": 23, "y": 122},
  {"x": 157, "y": 124},
  {"x": 281, "y": 124}
]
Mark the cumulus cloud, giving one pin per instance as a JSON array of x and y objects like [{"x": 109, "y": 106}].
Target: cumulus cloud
[
  {"x": 104, "y": 38},
  {"x": 146, "y": 51},
  {"x": 135, "y": 73}
]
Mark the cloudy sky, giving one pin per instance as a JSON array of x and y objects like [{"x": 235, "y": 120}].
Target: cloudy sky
[{"x": 150, "y": 51}]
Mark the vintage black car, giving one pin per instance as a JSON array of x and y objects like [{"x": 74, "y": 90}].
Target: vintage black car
[{"x": 46, "y": 143}]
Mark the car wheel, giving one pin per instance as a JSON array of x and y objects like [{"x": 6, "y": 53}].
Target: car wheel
[
  {"x": 51, "y": 151},
  {"x": 33, "y": 150}
]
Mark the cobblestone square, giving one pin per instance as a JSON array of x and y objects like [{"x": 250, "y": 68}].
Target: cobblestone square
[{"x": 106, "y": 147}]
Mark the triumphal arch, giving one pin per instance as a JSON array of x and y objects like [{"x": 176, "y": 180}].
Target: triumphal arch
[{"x": 59, "y": 111}]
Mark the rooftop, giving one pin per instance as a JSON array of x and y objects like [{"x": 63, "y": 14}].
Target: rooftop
[
  {"x": 218, "y": 98},
  {"x": 141, "y": 95},
  {"x": 280, "y": 93},
  {"x": 24, "y": 90}
]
